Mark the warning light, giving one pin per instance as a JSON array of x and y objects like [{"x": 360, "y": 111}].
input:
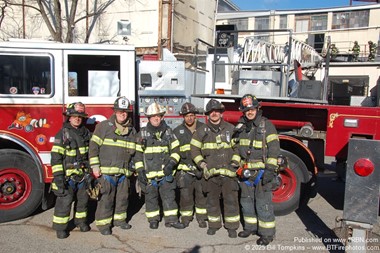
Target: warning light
[{"x": 364, "y": 167}]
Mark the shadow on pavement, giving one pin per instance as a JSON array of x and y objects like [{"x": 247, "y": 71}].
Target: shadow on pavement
[{"x": 331, "y": 188}]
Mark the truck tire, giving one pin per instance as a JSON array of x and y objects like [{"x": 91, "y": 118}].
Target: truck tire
[
  {"x": 288, "y": 196},
  {"x": 21, "y": 190}
]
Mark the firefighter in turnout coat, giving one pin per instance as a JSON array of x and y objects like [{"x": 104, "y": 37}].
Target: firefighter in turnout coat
[
  {"x": 189, "y": 178},
  {"x": 258, "y": 151},
  {"x": 156, "y": 159},
  {"x": 112, "y": 148},
  {"x": 212, "y": 150},
  {"x": 69, "y": 160}
]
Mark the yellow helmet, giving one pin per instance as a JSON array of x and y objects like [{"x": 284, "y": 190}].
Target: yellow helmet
[{"x": 155, "y": 109}]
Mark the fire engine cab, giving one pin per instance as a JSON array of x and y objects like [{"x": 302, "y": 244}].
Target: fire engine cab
[{"x": 37, "y": 80}]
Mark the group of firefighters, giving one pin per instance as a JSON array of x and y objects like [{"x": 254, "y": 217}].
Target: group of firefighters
[
  {"x": 205, "y": 161},
  {"x": 372, "y": 48}
]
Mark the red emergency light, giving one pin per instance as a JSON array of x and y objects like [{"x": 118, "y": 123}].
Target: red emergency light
[{"x": 364, "y": 167}]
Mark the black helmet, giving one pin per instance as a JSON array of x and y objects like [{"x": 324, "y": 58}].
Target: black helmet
[
  {"x": 188, "y": 108},
  {"x": 248, "y": 102},
  {"x": 75, "y": 109},
  {"x": 122, "y": 103},
  {"x": 214, "y": 105}
]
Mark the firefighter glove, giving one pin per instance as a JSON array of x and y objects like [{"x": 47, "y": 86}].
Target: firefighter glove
[
  {"x": 168, "y": 169},
  {"x": 206, "y": 173},
  {"x": 96, "y": 171},
  {"x": 93, "y": 190},
  {"x": 142, "y": 177},
  {"x": 268, "y": 176}
]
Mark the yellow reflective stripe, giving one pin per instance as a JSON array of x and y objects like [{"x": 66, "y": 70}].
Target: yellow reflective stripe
[
  {"x": 54, "y": 186},
  {"x": 236, "y": 158},
  {"x": 250, "y": 220},
  {"x": 222, "y": 171},
  {"x": 153, "y": 174},
  {"x": 256, "y": 165},
  {"x": 120, "y": 216},
  {"x": 83, "y": 150},
  {"x": 97, "y": 140},
  {"x": 171, "y": 212},
  {"x": 272, "y": 161},
  {"x": 198, "y": 158},
  {"x": 232, "y": 218},
  {"x": 185, "y": 148},
  {"x": 267, "y": 224},
  {"x": 94, "y": 160},
  {"x": 70, "y": 172},
  {"x": 200, "y": 210},
  {"x": 139, "y": 165},
  {"x": 186, "y": 213},
  {"x": 175, "y": 156},
  {"x": 257, "y": 144},
  {"x": 157, "y": 149},
  {"x": 80, "y": 215},
  {"x": 139, "y": 148},
  {"x": 115, "y": 170},
  {"x": 58, "y": 149},
  {"x": 213, "y": 218},
  {"x": 244, "y": 142},
  {"x": 61, "y": 220},
  {"x": 152, "y": 214},
  {"x": 174, "y": 144},
  {"x": 213, "y": 145},
  {"x": 57, "y": 168},
  {"x": 103, "y": 222},
  {"x": 119, "y": 143},
  {"x": 272, "y": 137},
  {"x": 196, "y": 143},
  {"x": 183, "y": 167},
  {"x": 71, "y": 152}
]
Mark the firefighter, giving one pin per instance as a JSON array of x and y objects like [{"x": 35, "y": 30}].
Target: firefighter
[
  {"x": 257, "y": 151},
  {"x": 355, "y": 51},
  {"x": 69, "y": 160},
  {"x": 157, "y": 157},
  {"x": 212, "y": 150},
  {"x": 334, "y": 51},
  {"x": 372, "y": 51},
  {"x": 112, "y": 148},
  {"x": 188, "y": 176}
]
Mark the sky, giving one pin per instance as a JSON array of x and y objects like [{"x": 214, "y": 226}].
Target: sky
[{"x": 252, "y": 5}]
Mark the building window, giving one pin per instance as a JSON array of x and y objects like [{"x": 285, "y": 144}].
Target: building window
[
  {"x": 318, "y": 22},
  {"x": 342, "y": 20},
  {"x": 241, "y": 24},
  {"x": 302, "y": 24},
  {"x": 262, "y": 23},
  {"x": 283, "y": 21}
]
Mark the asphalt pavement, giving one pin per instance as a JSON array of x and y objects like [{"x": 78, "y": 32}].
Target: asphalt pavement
[{"x": 309, "y": 229}]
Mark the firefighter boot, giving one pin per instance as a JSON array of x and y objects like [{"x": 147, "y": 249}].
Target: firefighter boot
[
  {"x": 153, "y": 224},
  {"x": 177, "y": 225},
  {"x": 125, "y": 226},
  {"x": 211, "y": 231},
  {"x": 83, "y": 227},
  {"x": 232, "y": 233},
  {"x": 245, "y": 233},
  {"x": 62, "y": 234},
  {"x": 202, "y": 224},
  {"x": 264, "y": 240},
  {"x": 106, "y": 231}
]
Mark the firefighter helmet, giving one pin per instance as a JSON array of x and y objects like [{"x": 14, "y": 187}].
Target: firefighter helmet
[
  {"x": 248, "y": 102},
  {"x": 75, "y": 109},
  {"x": 370, "y": 42},
  {"x": 122, "y": 103},
  {"x": 214, "y": 105},
  {"x": 188, "y": 108},
  {"x": 155, "y": 109}
]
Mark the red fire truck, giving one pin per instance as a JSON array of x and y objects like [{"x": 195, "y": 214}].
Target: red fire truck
[{"x": 39, "y": 79}]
